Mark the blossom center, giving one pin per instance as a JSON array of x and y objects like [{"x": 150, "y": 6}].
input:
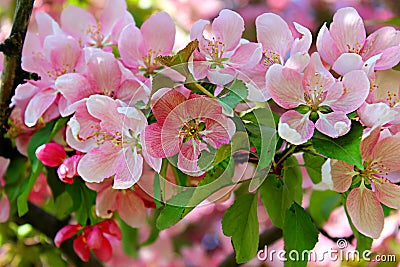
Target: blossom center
[
  {"x": 149, "y": 63},
  {"x": 270, "y": 58},
  {"x": 375, "y": 171},
  {"x": 192, "y": 130},
  {"x": 98, "y": 39},
  {"x": 315, "y": 93},
  {"x": 215, "y": 48}
]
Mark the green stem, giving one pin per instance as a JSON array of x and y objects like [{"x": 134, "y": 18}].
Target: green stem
[
  {"x": 200, "y": 88},
  {"x": 287, "y": 154}
]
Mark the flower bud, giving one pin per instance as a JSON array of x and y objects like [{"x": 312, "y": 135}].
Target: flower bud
[{"x": 51, "y": 154}]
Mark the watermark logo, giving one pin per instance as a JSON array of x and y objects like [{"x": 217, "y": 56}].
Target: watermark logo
[{"x": 341, "y": 253}]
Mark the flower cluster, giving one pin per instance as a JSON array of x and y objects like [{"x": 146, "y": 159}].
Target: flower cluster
[{"x": 131, "y": 113}]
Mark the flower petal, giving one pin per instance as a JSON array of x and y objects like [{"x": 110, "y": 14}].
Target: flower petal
[
  {"x": 380, "y": 40},
  {"x": 112, "y": 13},
  {"x": 387, "y": 153},
  {"x": 76, "y": 21},
  {"x": 347, "y": 29},
  {"x": 368, "y": 143},
  {"x": 342, "y": 175},
  {"x": 129, "y": 171},
  {"x": 66, "y": 233},
  {"x": 130, "y": 45},
  {"x": 376, "y": 114},
  {"x": 100, "y": 245},
  {"x": 74, "y": 87},
  {"x": 106, "y": 202},
  {"x": 131, "y": 209},
  {"x": 164, "y": 101},
  {"x": 303, "y": 44},
  {"x": 356, "y": 89},
  {"x": 274, "y": 34},
  {"x": 295, "y": 128},
  {"x": 285, "y": 86},
  {"x": 333, "y": 124},
  {"x": 100, "y": 163},
  {"x": 110, "y": 227},
  {"x": 388, "y": 194},
  {"x": 348, "y": 62},
  {"x": 157, "y": 146},
  {"x": 365, "y": 211},
  {"x": 326, "y": 46},
  {"x": 188, "y": 157},
  {"x": 81, "y": 248},
  {"x": 104, "y": 72},
  {"x": 38, "y": 105},
  {"x": 160, "y": 42},
  {"x": 228, "y": 28},
  {"x": 247, "y": 55}
]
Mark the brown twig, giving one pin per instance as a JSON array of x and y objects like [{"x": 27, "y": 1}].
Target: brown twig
[{"x": 12, "y": 74}]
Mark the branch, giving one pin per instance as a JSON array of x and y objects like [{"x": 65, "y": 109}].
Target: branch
[
  {"x": 267, "y": 237},
  {"x": 49, "y": 225},
  {"x": 12, "y": 74}
]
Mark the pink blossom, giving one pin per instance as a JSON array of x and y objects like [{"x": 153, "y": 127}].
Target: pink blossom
[
  {"x": 108, "y": 132},
  {"x": 130, "y": 207},
  {"x": 69, "y": 169},
  {"x": 104, "y": 75},
  {"x": 219, "y": 57},
  {"x": 140, "y": 47},
  {"x": 101, "y": 32},
  {"x": 40, "y": 191},
  {"x": 95, "y": 237},
  {"x": 56, "y": 55},
  {"x": 317, "y": 94},
  {"x": 345, "y": 43},
  {"x": 51, "y": 154},
  {"x": 382, "y": 105},
  {"x": 380, "y": 156},
  {"x": 185, "y": 127},
  {"x": 278, "y": 41}
]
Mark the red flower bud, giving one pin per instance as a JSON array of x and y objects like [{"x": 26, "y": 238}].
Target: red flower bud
[{"x": 51, "y": 154}]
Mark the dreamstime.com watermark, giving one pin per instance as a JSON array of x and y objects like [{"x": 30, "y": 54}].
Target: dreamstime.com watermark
[{"x": 339, "y": 254}]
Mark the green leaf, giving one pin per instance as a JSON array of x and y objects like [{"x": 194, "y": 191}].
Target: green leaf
[
  {"x": 87, "y": 199},
  {"x": 179, "y": 61},
  {"x": 223, "y": 152},
  {"x": 240, "y": 221},
  {"x": 181, "y": 57},
  {"x": 181, "y": 204},
  {"x": 276, "y": 199},
  {"x": 154, "y": 231},
  {"x": 206, "y": 159},
  {"x": 299, "y": 234},
  {"x": 22, "y": 200},
  {"x": 129, "y": 239},
  {"x": 57, "y": 187},
  {"x": 262, "y": 135},
  {"x": 322, "y": 203},
  {"x": 63, "y": 205},
  {"x": 15, "y": 178},
  {"x": 391, "y": 21},
  {"x": 313, "y": 165},
  {"x": 293, "y": 178},
  {"x": 345, "y": 148},
  {"x": 237, "y": 92}
]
